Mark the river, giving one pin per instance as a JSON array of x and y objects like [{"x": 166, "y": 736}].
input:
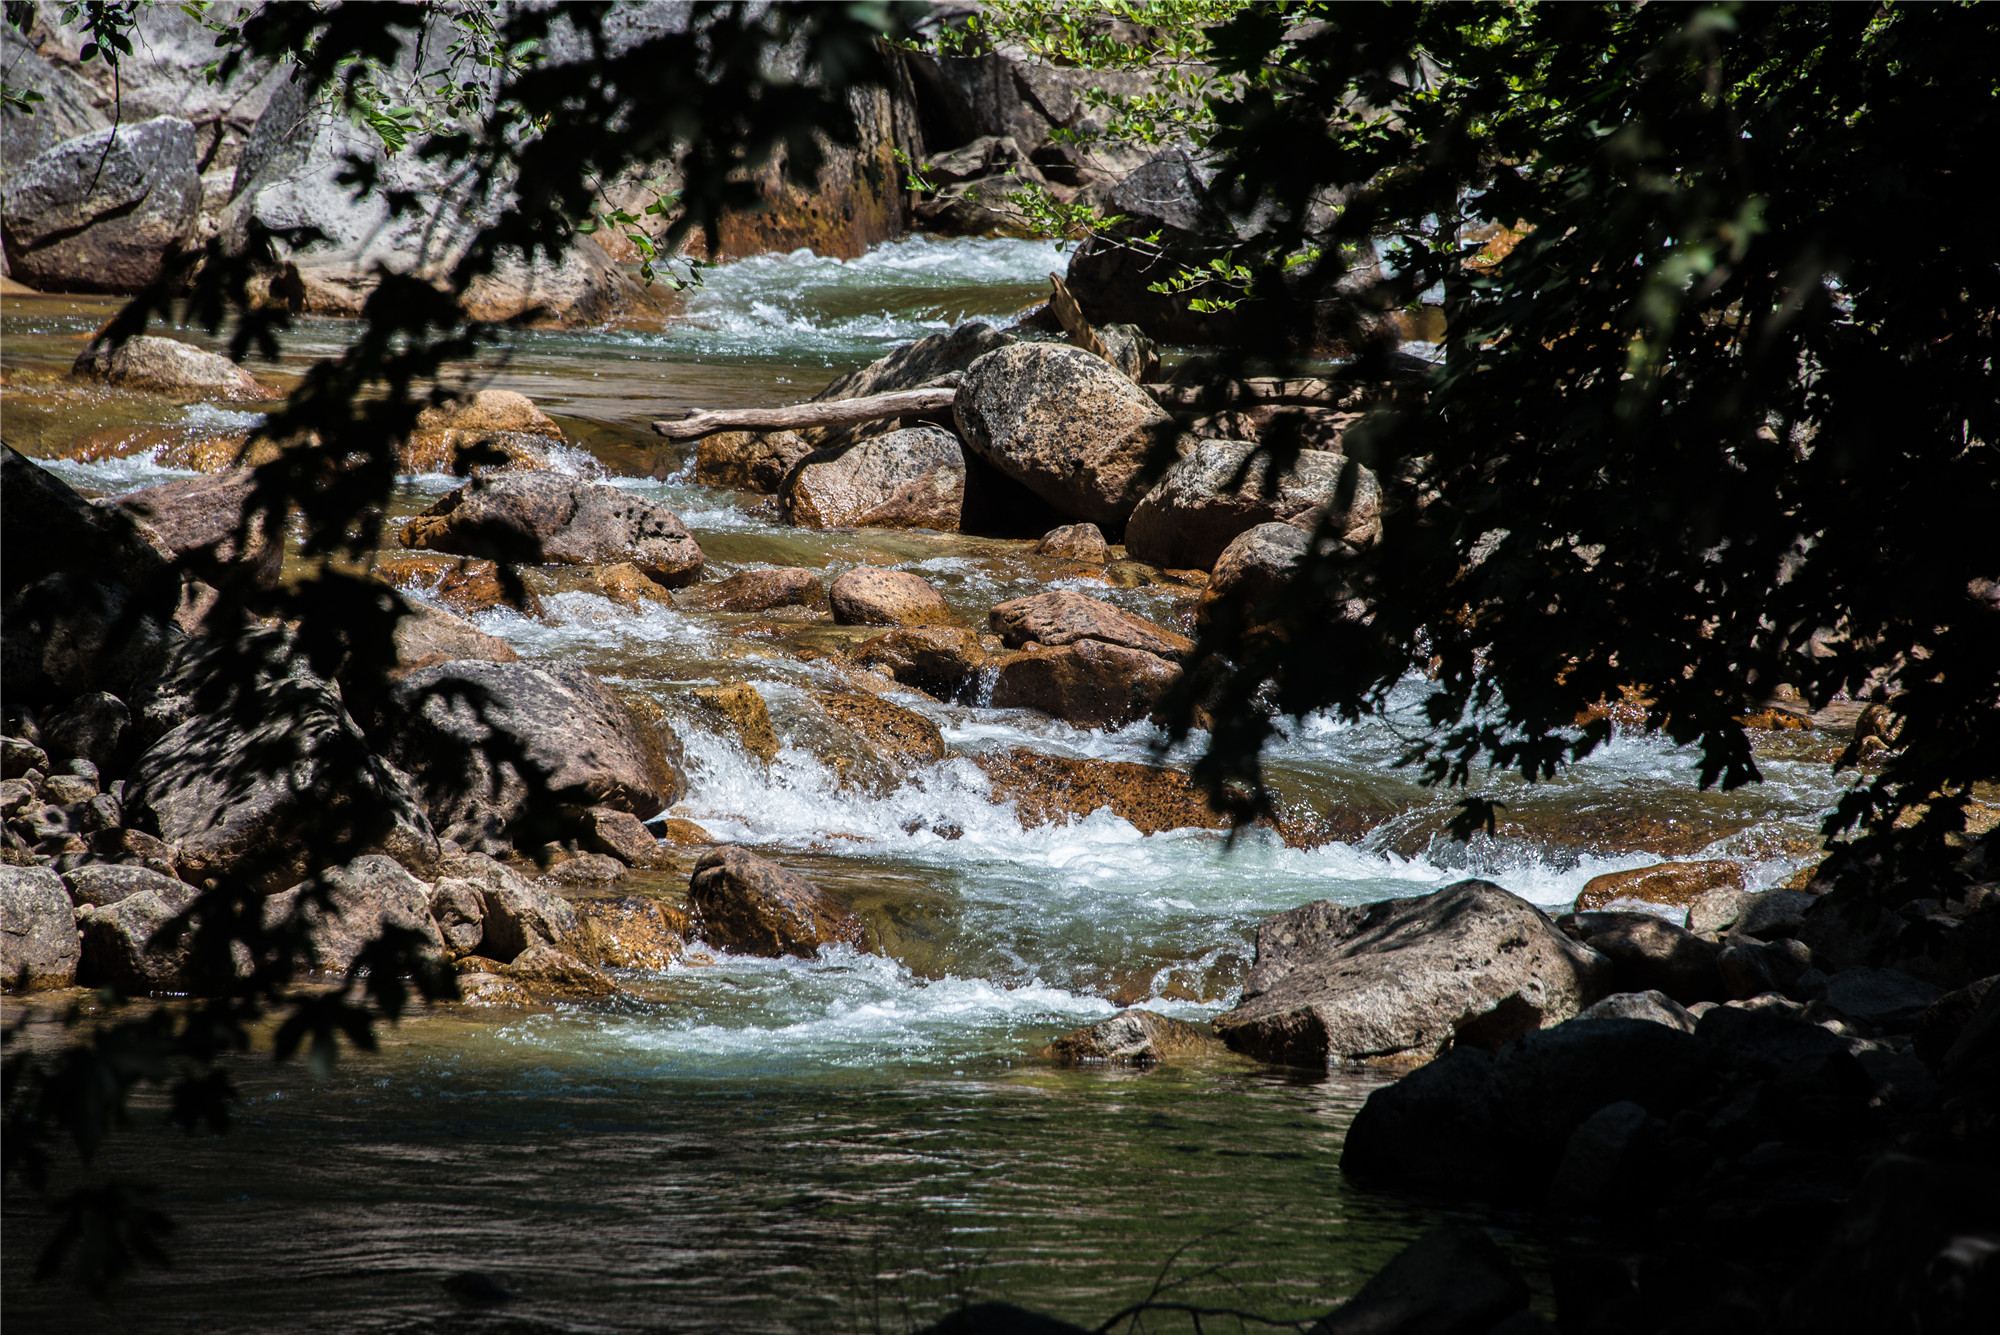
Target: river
[{"x": 857, "y": 1141}]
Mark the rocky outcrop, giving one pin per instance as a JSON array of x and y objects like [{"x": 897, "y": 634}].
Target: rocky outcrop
[
  {"x": 1065, "y": 425},
  {"x": 351, "y": 907},
  {"x": 941, "y": 660},
  {"x": 1045, "y": 788},
  {"x": 1064, "y": 617},
  {"x": 867, "y": 596},
  {"x": 1467, "y": 966},
  {"x": 168, "y": 366},
  {"x": 38, "y": 940},
  {"x": 1135, "y": 1038},
  {"x": 743, "y": 903},
  {"x": 913, "y": 478},
  {"x": 757, "y": 591},
  {"x": 546, "y": 518},
  {"x": 103, "y": 212},
  {"x": 748, "y": 460},
  {"x": 901, "y": 736},
  {"x": 505, "y": 752},
  {"x": 1089, "y": 683},
  {"x": 1224, "y": 487},
  {"x": 1669, "y": 884},
  {"x": 266, "y": 785}
]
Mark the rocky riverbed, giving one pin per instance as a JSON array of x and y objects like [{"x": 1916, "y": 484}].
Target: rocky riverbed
[{"x": 862, "y": 819}]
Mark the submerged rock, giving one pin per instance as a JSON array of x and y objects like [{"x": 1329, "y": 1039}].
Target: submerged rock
[
  {"x": 1469, "y": 965},
  {"x": 499, "y": 750},
  {"x": 757, "y": 591},
  {"x": 1089, "y": 683},
  {"x": 38, "y": 940},
  {"x": 1135, "y": 1038},
  {"x": 168, "y": 366},
  {"x": 541, "y": 518},
  {"x": 913, "y": 478},
  {"x": 1064, "y": 617},
  {"x": 867, "y": 596},
  {"x": 1067, "y": 426},
  {"x": 1225, "y": 487},
  {"x": 743, "y": 903}
]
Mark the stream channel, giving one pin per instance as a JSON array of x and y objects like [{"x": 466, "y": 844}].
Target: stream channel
[{"x": 855, "y": 1142}]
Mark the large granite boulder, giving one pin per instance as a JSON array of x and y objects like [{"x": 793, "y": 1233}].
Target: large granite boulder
[
  {"x": 127, "y": 944},
  {"x": 361, "y": 899},
  {"x": 748, "y": 460},
  {"x": 1247, "y": 577},
  {"x": 487, "y": 429},
  {"x": 515, "y": 914},
  {"x": 1225, "y": 487},
  {"x": 102, "y": 212},
  {"x": 272, "y": 781},
  {"x": 867, "y": 596},
  {"x": 169, "y": 366},
  {"x": 515, "y": 750},
  {"x": 548, "y": 518},
  {"x": 743, "y": 903},
  {"x": 1089, "y": 683},
  {"x": 38, "y": 941},
  {"x": 1468, "y": 965},
  {"x": 212, "y": 526},
  {"x": 1067, "y": 426},
  {"x": 65, "y": 112},
  {"x": 1063, "y": 616},
  {"x": 914, "y": 478}
]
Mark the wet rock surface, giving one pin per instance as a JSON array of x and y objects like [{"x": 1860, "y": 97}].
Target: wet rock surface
[
  {"x": 538, "y": 517},
  {"x": 743, "y": 903},
  {"x": 866, "y": 596},
  {"x": 167, "y": 366},
  {"x": 906, "y": 479},
  {"x": 1062, "y": 617},
  {"x": 1135, "y": 1038},
  {"x": 757, "y": 591},
  {"x": 941, "y": 660},
  {"x": 1469, "y": 967},
  {"x": 1088, "y": 683},
  {"x": 1046, "y": 788}
]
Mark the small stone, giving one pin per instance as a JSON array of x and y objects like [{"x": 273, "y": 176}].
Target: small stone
[
  {"x": 546, "y": 971},
  {"x": 630, "y": 587},
  {"x": 681, "y": 833},
  {"x": 458, "y": 906},
  {"x": 742, "y": 711},
  {"x": 620, "y": 834},
  {"x": 746, "y": 904},
  {"x": 1075, "y": 542},
  {"x": 1135, "y": 1038},
  {"x": 867, "y": 596},
  {"x": 586, "y": 869},
  {"x": 1657, "y": 1007}
]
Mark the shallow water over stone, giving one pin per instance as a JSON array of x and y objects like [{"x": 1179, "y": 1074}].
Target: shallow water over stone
[{"x": 743, "y": 1144}]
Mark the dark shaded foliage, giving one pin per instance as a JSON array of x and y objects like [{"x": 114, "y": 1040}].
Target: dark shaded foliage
[{"x": 1723, "y": 419}]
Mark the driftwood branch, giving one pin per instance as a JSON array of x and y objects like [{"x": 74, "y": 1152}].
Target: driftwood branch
[
  {"x": 1070, "y": 315},
  {"x": 800, "y": 416}
]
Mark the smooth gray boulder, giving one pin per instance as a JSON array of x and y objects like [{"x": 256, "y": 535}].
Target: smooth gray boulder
[
  {"x": 367, "y": 895},
  {"x": 102, "y": 212},
  {"x": 506, "y": 750},
  {"x": 1468, "y": 965},
  {"x": 1222, "y": 488},
  {"x": 1067, "y": 426},
  {"x": 169, "y": 366},
  {"x": 534, "y": 517},
  {"x": 38, "y": 941},
  {"x": 914, "y": 478},
  {"x": 1657, "y": 1007},
  {"x": 101, "y": 883},
  {"x": 271, "y": 783},
  {"x": 125, "y": 947}
]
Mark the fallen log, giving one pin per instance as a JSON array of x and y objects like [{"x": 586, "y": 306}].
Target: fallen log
[{"x": 801, "y": 416}]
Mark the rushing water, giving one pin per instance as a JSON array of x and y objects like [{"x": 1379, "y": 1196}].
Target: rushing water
[{"x": 856, "y": 1141}]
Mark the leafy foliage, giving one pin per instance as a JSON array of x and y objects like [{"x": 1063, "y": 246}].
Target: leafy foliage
[{"x": 1722, "y": 419}]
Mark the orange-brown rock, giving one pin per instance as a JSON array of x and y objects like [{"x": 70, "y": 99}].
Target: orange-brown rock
[
  {"x": 742, "y": 713},
  {"x": 1675, "y": 884},
  {"x": 743, "y": 903},
  {"x": 1089, "y": 683},
  {"x": 218, "y": 454},
  {"x": 465, "y": 586},
  {"x": 902, "y": 736},
  {"x": 1062, "y": 616},
  {"x": 631, "y": 587},
  {"x": 632, "y": 932},
  {"x": 682, "y": 833},
  {"x": 1075, "y": 542},
  {"x": 866, "y": 596},
  {"x": 547, "y": 972},
  {"x": 492, "y": 428},
  {"x": 756, "y": 591},
  {"x": 619, "y": 834},
  {"x": 942, "y": 660},
  {"x": 431, "y": 635},
  {"x": 748, "y": 460},
  {"x": 1045, "y": 788}
]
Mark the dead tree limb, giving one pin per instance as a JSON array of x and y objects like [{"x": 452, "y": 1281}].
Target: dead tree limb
[{"x": 801, "y": 416}]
